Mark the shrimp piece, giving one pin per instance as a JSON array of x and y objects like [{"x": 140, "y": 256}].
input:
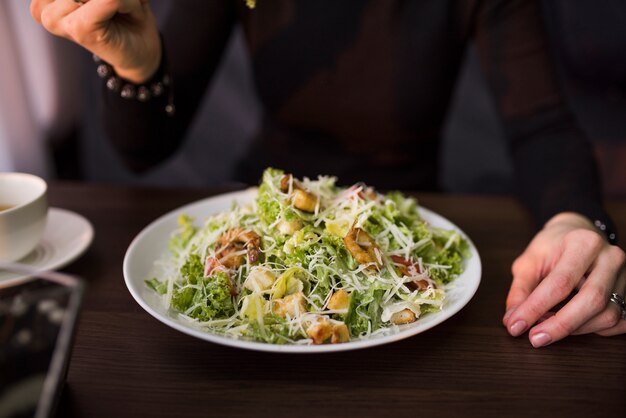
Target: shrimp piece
[
  {"x": 212, "y": 265},
  {"x": 371, "y": 194},
  {"x": 285, "y": 181},
  {"x": 363, "y": 247},
  {"x": 231, "y": 246},
  {"x": 408, "y": 268},
  {"x": 300, "y": 198}
]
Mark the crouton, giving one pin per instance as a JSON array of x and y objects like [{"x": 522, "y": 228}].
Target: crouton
[
  {"x": 292, "y": 305},
  {"x": 405, "y": 316},
  {"x": 339, "y": 300}
]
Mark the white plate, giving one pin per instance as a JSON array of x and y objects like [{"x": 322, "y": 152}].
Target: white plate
[
  {"x": 67, "y": 236},
  {"x": 151, "y": 244}
]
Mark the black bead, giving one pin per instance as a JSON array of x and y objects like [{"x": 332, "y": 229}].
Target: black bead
[
  {"x": 114, "y": 84},
  {"x": 129, "y": 92},
  {"x": 104, "y": 70},
  {"x": 143, "y": 94},
  {"x": 157, "y": 89}
]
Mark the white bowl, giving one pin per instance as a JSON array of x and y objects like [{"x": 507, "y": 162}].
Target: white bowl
[{"x": 23, "y": 214}]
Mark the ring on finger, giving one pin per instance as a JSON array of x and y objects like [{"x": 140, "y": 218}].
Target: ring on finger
[{"x": 621, "y": 304}]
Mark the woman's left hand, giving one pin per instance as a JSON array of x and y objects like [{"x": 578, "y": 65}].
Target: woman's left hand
[{"x": 567, "y": 254}]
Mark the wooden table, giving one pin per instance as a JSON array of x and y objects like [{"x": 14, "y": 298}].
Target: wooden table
[{"x": 127, "y": 364}]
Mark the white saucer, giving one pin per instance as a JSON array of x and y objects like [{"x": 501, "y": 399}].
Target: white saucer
[{"x": 67, "y": 236}]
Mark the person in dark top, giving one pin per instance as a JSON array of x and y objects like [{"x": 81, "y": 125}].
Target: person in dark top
[
  {"x": 359, "y": 89},
  {"x": 588, "y": 43}
]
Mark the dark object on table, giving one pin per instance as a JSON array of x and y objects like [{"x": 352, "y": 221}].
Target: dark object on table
[{"x": 37, "y": 321}]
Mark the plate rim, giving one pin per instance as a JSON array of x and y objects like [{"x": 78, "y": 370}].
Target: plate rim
[{"x": 286, "y": 348}]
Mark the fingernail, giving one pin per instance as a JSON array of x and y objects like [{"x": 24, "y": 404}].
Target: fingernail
[
  {"x": 518, "y": 327},
  {"x": 507, "y": 314},
  {"x": 541, "y": 339}
]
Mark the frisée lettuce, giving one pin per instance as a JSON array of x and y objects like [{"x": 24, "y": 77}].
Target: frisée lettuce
[{"x": 309, "y": 262}]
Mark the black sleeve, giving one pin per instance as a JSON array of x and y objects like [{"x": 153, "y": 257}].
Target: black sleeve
[
  {"x": 194, "y": 37},
  {"x": 555, "y": 169}
]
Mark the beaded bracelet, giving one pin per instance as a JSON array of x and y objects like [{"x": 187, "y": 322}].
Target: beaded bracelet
[
  {"x": 610, "y": 235},
  {"x": 144, "y": 92}
]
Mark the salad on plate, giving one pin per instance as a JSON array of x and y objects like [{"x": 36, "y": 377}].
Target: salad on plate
[{"x": 309, "y": 262}]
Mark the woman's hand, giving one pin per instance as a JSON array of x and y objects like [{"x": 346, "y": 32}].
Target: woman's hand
[
  {"x": 121, "y": 32},
  {"x": 567, "y": 254}
]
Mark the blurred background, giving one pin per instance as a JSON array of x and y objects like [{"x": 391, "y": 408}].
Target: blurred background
[{"x": 49, "y": 116}]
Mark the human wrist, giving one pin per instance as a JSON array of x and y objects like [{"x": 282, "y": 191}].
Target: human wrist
[
  {"x": 159, "y": 87},
  {"x": 570, "y": 218},
  {"x": 601, "y": 225},
  {"x": 140, "y": 75},
  {"x": 143, "y": 70}
]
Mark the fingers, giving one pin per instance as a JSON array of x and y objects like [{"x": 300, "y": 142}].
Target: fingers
[
  {"x": 89, "y": 22},
  {"x": 605, "y": 320},
  {"x": 121, "y": 32},
  {"x": 618, "y": 329},
  {"x": 53, "y": 14},
  {"x": 89, "y": 25},
  {"x": 97, "y": 12},
  {"x": 79, "y": 20},
  {"x": 610, "y": 317},
  {"x": 581, "y": 247},
  {"x": 526, "y": 276},
  {"x": 588, "y": 307},
  {"x": 36, "y": 8}
]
